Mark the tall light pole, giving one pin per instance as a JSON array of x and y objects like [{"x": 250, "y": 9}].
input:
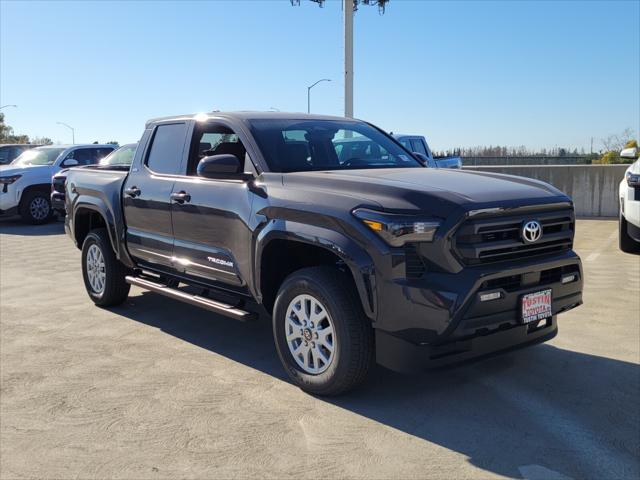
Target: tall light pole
[
  {"x": 348, "y": 57},
  {"x": 349, "y": 7},
  {"x": 5, "y": 106},
  {"x": 309, "y": 92},
  {"x": 73, "y": 131}
]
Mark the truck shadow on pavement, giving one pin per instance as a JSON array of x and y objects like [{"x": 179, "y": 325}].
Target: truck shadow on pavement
[
  {"x": 15, "y": 226},
  {"x": 539, "y": 413}
]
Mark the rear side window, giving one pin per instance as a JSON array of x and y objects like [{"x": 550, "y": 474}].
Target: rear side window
[{"x": 165, "y": 155}]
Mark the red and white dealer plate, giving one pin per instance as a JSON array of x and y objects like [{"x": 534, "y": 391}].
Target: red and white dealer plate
[{"x": 536, "y": 306}]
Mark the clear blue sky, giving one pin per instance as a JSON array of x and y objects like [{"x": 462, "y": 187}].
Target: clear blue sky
[{"x": 537, "y": 73}]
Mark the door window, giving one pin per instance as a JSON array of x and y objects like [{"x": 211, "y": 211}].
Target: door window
[
  {"x": 418, "y": 146},
  {"x": 214, "y": 140},
  {"x": 165, "y": 155},
  {"x": 84, "y": 156}
]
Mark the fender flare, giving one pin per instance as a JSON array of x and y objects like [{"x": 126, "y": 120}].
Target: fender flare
[
  {"x": 99, "y": 206},
  {"x": 354, "y": 256}
]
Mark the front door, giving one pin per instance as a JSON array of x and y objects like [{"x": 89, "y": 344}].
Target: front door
[
  {"x": 212, "y": 241},
  {"x": 146, "y": 196}
]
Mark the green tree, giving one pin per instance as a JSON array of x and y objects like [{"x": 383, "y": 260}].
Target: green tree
[
  {"x": 7, "y": 135},
  {"x": 41, "y": 141}
]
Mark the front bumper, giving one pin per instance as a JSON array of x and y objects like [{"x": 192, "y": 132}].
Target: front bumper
[
  {"x": 440, "y": 318},
  {"x": 58, "y": 201},
  {"x": 9, "y": 197},
  {"x": 403, "y": 356}
]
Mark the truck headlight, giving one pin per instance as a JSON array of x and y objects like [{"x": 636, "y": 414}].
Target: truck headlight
[
  {"x": 9, "y": 180},
  {"x": 633, "y": 179},
  {"x": 396, "y": 229}
]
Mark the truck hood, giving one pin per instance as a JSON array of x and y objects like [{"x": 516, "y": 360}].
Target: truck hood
[
  {"x": 8, "y": 170},
  {"x": 428, "y": 189}
]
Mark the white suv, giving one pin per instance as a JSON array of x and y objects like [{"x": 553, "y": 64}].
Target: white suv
[
  {"x": 630, "y": 204},
  {"x": 25, "y": 184}
]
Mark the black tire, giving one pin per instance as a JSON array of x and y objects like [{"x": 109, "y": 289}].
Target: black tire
[
  {"x": 627, "y": 243},
  {"x": 354, "y": 340},
  {"x": 115, "y": 289},
  {"x": 30, "y": 213}
]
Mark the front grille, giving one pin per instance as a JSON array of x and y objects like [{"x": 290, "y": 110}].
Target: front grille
[{"x": 495, "y": 239}]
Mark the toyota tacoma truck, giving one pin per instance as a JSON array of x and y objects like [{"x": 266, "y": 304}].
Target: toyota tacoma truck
[{"x": 357, "y": 260}]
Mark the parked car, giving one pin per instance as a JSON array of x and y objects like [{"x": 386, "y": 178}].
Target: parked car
[
  {"x": 26, "y": 182},
  {"x": 357, "y": 260},
  {"x": 629, "y": 221},
  {"x": 419, "y": 146},
  {"x": 9, "y": 152},
  {"x": 121, "y": 157}
]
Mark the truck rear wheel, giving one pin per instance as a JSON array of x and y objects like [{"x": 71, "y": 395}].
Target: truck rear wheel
[
  {"x": 323, "y": 338},
  {"x": 103, "y": 274},
  {"x": 35, "y": 207},
  {"x": 627, "y": 243}
]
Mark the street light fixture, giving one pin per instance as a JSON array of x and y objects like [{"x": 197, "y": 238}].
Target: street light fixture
[
  {"x": 5, "y": 106},
  {"x": 73, "y": 131},
  {"x": 309, "y": 92}
]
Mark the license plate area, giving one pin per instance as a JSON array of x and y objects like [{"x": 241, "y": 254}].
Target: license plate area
[{"x": 536, "y": 306}]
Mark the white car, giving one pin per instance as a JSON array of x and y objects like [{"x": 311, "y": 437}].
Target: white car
[
  {"x": 25, "y": 184},
  {"x": 630, "y": 205}
]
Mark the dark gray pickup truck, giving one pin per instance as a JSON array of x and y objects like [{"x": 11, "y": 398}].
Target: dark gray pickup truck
[{"x": 357, "y": 257}]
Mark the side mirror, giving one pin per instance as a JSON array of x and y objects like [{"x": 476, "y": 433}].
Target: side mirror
[
  {"x": 70, "y": 162},
  {"x": 422, "y": 158},
  {"x": 629, "y": 153},
  {"x": 219, "y": 166}
]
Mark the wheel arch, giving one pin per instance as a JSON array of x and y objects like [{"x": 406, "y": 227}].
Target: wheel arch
[
  {"x": 37, "y": 187},
  {"x": 284, "y": 247},
  {"x": 89, "y": 215}
]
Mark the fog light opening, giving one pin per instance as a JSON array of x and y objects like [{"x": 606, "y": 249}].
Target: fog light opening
[
  {"x": 486, "y": 297},
  {"x": 569, "y": 278}
]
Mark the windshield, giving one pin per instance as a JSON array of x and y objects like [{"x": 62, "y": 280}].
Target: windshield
[
  {"x": 38, "y": 156},
  {"x": 308, "y": 145},
  {"x": 122, "y": 156}
]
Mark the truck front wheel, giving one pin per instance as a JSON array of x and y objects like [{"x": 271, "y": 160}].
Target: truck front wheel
[
  {"x": 103, "y": 274},
  {"x": 323, "y": 338},
  {"x": 35, "y": 207}
]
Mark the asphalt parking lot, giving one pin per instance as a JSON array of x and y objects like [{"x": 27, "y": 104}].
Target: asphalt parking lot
[{"x": 158, "y": 389}]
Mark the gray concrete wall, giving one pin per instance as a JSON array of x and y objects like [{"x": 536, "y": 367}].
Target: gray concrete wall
[
  {"x": 593, "y": 188},
  {"x": 533, "y": 160}
]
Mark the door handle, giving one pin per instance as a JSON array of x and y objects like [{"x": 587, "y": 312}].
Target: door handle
[
  {"x": 133, "y": 191},
  {"x": 180, "y": 197}
]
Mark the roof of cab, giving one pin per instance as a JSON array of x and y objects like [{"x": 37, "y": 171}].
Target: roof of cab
[{"x": 244, "y": 116}]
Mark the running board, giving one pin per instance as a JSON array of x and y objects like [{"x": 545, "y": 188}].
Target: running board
[{"x": 198, "y": 301}]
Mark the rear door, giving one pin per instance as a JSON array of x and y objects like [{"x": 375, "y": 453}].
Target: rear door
[{"x": 146, "y": 195}]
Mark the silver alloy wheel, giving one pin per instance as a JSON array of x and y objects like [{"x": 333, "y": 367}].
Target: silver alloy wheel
[
  {"x": 96, "y": 269},
  {"x": 310, "y": 334},
  {"x": 39, "y": 208}
]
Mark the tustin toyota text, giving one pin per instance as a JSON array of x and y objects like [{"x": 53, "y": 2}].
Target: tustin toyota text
[{"x": 358, "y": 255}]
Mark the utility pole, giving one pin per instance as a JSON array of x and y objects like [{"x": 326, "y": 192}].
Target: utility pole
[
  {"x": 347, "y": 6},
  {"x": 591, "y": 145}
]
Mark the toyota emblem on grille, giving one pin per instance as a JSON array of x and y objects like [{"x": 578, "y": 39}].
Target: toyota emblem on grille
[{"x": 531, "y": 231}]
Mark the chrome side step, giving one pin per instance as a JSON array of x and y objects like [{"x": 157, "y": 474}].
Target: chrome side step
[{"x": 198, "y": 301}]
